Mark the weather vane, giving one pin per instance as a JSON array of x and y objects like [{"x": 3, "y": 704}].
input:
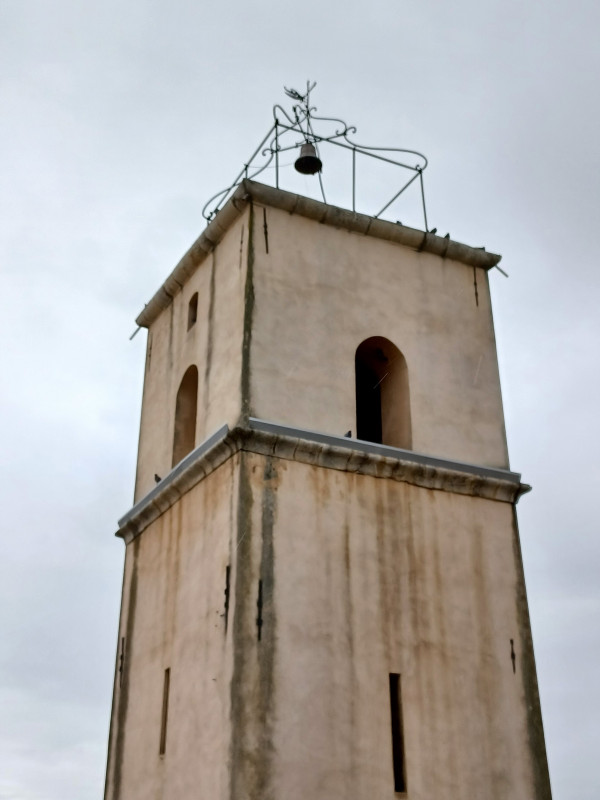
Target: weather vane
[{"x": 283, "y": 136}]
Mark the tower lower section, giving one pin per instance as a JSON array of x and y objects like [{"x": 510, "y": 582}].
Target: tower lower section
[{"x": 315, "y": 617}]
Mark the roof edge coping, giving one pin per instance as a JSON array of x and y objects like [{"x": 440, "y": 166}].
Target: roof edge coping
[{"x": 337, "y": 217}]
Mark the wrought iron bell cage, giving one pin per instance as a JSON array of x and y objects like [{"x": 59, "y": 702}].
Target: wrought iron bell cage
[{"x": 296, "y": 129}]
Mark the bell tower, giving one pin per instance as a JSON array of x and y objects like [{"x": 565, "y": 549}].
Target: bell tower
[{"x": 323, "y": 593}]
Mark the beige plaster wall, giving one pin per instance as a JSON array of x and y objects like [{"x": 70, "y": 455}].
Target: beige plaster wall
[
  {"x": 172, "y": 617},
  {"x": 363, "y": 577},
  {"x": 213, "y": 344},
  {"x": 321, "y": 291},
  {"x": 360, "y": 577}
]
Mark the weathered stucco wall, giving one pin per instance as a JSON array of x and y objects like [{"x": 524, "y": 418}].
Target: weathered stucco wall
[
  {"x": 172, "y": 617},
  {"x": 213, "y": 344},
  {"x": 363, "y": 577},
  {"x": 281, "y": 311},
  {"x": 337, "y": 579},
  {"x": 360, "y": 577},
  {"x": 320, "y": 291}
]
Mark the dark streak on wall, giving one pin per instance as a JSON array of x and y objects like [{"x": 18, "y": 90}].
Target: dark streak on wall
[
  {"x": 170, "y": 345},
  {"x": 253, "y": 676},
  {"x": 267, "y": 647},
  {"x": 535, "y": 728},
  {"x": 440, "y": 609},
  {"x": 350, "y": 623},
  {"x": 209, "y": 333},
  {"x": 123, "y": 701},
  {"x": 232, "y": 528},
  {"x": 248, "y": 314},
  {"x": 243, "y": 640}
]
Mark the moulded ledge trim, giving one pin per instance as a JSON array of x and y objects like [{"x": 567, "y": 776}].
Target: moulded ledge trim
[{"x": 324, "y": 450}]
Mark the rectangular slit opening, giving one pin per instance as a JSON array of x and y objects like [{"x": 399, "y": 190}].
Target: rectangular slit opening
[
  {"x": 192, "y": 311},
  {"x": 227, "y": 581},
  {"x": 397, "y": 733},
  {"x": 165, "y": 713},
  {"x": 121, "y": 661},
  {"x": 259, "y": 606}
]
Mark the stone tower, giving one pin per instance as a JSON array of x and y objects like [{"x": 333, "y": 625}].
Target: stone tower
[{"x": 323, "y": 595}]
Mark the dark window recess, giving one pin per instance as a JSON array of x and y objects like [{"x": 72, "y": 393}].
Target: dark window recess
[
  {"x": 368, "y": 404},
  {"x": 259, "y": 609},
  {"x": 382, "y": 397},
  {"x": 227, "y": 582},
  {"x": 165, "y": 713},
  {"x": 397, "y": 734},
  {"x": 186, "y": 405},
  {"x": 121, "y": 660},
  {"x": 192, "y": 311}
]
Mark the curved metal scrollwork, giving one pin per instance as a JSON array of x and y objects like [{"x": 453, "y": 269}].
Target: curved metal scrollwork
[{"x": 282, "y": 136}]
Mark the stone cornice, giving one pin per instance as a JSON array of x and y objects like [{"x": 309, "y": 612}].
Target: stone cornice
[
  {"x": 330, "y": 452},
  {"x": 324, "y": 213}
]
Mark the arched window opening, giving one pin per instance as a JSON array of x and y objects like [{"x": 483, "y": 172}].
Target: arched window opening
[
  {"x": 184, "y": 438},
  {"x": 192, "y": 310},
  {"x": 382, "y": 400}
]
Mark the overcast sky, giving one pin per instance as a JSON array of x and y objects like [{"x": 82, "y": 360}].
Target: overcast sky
[{"x": 118, "y": 120}]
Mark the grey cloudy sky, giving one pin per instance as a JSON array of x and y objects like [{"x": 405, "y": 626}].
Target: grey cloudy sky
[{"x": 118, "y": 121}]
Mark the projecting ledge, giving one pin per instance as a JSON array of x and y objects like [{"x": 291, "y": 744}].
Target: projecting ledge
[
  {"x": 324, "y": 213},
  {"x": 323, "y": 450}
]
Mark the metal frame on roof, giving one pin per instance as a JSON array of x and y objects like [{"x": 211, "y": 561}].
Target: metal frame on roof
[{"x": 300, "y": 122}]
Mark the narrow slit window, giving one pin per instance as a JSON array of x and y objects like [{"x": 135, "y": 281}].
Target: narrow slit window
[
  {"x": 259, "y": 609},
  {"x": 121, "y": 661},
  {"x": 397, "y": 734},
  {"x": 165, "y": 713},
  {"x": 227, "y": 590},
  {"x": 192, "y": 310}
]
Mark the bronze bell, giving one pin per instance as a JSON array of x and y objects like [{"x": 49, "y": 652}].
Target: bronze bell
[{"x": 308, "y": 162}]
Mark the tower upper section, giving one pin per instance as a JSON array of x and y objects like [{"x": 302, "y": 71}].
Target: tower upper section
[{"x": 297, "y": 312}]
